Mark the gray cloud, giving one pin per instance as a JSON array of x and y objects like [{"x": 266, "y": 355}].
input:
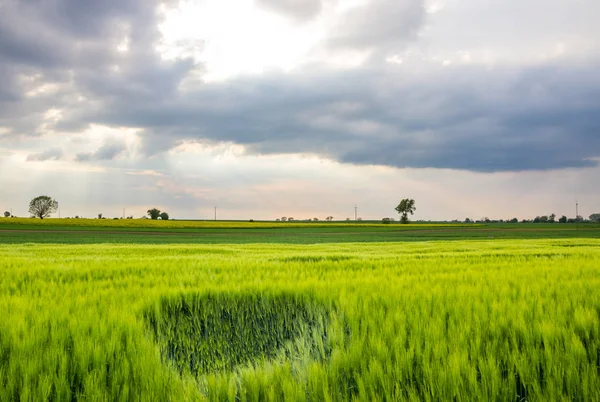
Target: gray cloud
[
  {"x": 50, "y": 154},
  {"x": 108, "y": 151},
  {"x": 461, "y": 118},
  {"x": 73, "y": 44},
  {"x": 382, "y": 24},
  {"x": 300, "y": 10}
]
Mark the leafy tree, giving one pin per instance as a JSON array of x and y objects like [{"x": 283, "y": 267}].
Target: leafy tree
[
  {"x": 154, "y": 213},
  {"x": 593, "y": 217},
  {"x": 99, "y": 216},
  {"x": 406, "y": 206},
  {"x": 164, "y": 216},
  {"x": 316, "y": 219},
  {"x": 42, "y": 206},
  {"x": 552, "y": 218},
  {"x": 563, "y": 219},
  {"x": 514, "y": 220},
  {"x": 467, "y": 220},
  {"x": 386, "y": 220},
  {"x": 329, "y": 218},
  {"x": 283, "y": 219},
  {"x": 6, "y": 214}
]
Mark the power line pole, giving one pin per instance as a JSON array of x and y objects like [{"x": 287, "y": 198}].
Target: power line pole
[
  {"x": 215, "y": 213},
  {"x": 576, "y": 210},
  {"x": 356, "y": 212}
]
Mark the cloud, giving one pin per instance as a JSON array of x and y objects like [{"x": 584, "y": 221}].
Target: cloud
[
  {"x": 510, "y": 119},
  {"x": 108, "y": 151},
  {"x": 381, "y": 24},
  {"x": 48, "y": 155},
  {"x": 300, "y": 10},
  {"x": 75, "y": 46}
]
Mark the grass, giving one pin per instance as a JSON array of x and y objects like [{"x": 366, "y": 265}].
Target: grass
[
  {"x": 107, "y": 224},
  {"x": 487, "y": 319},
  {"x": 94, "y": 231}
]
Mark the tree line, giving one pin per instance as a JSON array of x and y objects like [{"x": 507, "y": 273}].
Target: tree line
[{"x": 44, "y": 206}]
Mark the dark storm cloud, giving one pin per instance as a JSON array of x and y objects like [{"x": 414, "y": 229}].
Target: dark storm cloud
[
  {"x": 462, "y": 117},
  {"x": 300, "y": 10}
]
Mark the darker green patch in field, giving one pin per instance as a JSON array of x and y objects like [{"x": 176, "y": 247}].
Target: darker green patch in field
[
  {"x": 209, "y": 333},
  {"x": 316, "y": 258}
]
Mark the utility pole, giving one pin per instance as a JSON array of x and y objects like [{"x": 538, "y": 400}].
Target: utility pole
[
  {"x": 356, "y": 212},
  {"x": 215, "y": 213},
  {"x": 576, "y": 210},
  {"x": 123, "y": 213}
]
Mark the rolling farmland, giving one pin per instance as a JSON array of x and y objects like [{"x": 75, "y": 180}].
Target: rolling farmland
[{"x": 370, "y": 312}]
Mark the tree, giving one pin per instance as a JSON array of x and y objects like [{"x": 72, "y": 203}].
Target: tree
[
  {"x": 329, "y": 218},
  {"x": 6, "y": 214},
  {"x": 406, "y": 206},
  {"x": 563, "y": 219},
  {"x": 42, "y": 206},
  {"x": 552, "y": 218},
  {"x": 386, "y": 220},
  {"x": 99, "y": 216},
  {"x": 164, "y": 216},
  {"x": 593, "y": 217},
  {"x": 154, "y": 213}
]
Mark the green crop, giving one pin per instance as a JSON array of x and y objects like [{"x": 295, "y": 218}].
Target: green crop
[{"x": 462, "y": 320}]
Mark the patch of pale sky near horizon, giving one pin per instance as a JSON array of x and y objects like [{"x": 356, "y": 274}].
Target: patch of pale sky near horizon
[{"x": 193, "y": 177}]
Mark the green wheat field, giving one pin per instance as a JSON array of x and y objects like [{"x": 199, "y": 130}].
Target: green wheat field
[{"x": 468, "y": 317}]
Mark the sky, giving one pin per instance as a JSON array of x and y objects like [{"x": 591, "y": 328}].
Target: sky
[{"x": 302, "y": 108}]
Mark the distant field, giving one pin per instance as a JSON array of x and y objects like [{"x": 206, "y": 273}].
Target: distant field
[
  {"x": 504, "y": 320},
  {"x": 137, "y": 231}
]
